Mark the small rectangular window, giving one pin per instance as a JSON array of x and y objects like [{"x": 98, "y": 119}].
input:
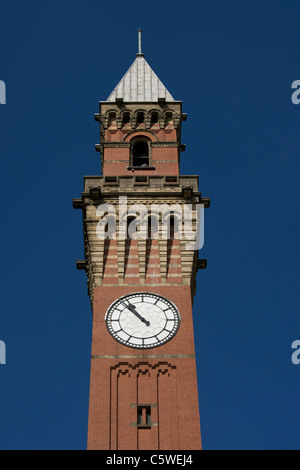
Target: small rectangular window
[
  {"x": 111, "y": 180},
  {"x": 171, "y": 179},
  {"x": 141, "y": 179},
  {"x": 144, "y": 416}
]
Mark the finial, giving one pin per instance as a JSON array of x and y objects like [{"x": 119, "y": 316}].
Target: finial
[{"x": 140, "y": 42}]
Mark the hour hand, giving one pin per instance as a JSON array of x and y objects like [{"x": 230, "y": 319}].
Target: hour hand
[{"x": 132, "y": 308}]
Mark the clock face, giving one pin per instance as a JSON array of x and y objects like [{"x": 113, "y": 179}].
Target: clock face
[{"x": 142, "y": 320}]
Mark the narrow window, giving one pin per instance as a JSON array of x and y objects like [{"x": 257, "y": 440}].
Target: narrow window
[
  {"x": 126, "y": 118},
  {"x": 144, "y": 416},
  {"x": 139, "y": 415},
  {"x": 173, "y": 227},
  {"x": 169, "y": 119},
  {"x": 132, "y": 223},
  {"x": 154, "y": 118},
  {"x": 148, "y": 416},
  {"x": 140, "y": 118},
  {"x": 112, "y": 119},
  {"x": 153, "y": 228},
  {"x": 140, "y": 153}
]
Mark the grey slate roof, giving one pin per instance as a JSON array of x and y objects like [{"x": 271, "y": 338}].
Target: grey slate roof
[{"x": 140, "y": 84}]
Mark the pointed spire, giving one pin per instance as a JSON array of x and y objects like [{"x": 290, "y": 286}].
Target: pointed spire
[
  {"x": 140, "y": 83},
  {"x": 140, "y": 54}
]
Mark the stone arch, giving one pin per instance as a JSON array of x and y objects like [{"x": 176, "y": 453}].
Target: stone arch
[
  {"x": 154, "y": 116},
  {"x": 135, "y": 133},
  {"x": 125, "y": 117},
  {"x": 111, "y": 117}
]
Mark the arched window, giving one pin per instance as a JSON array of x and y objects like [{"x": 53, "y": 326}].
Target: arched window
[
  {"x": 169, "y": 119},
  {"x": 140, "y": 118},
  {"x": 153, "y": 228},
  {"x": 110, "y": 228},
  {"x": 112, "y": 119},
  {"x": 131, "y": 227},
  {"x": 140, "y": 153},
  {"x": 154, "y": 118},
  {"x": 126, "y": 118},
  {"x": 171, "y": 228}
]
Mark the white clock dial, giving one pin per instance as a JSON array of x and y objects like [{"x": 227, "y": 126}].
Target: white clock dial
[{"x": 142, "y": 320}]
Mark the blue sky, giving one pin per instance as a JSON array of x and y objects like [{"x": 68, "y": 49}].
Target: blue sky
[{"x": 232, "y": 64}]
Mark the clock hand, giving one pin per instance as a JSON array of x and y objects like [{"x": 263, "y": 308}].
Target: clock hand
[{"x": 132, "y": 308}]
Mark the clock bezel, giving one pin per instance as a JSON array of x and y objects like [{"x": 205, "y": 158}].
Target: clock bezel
[{"x": 158, "y": 343}]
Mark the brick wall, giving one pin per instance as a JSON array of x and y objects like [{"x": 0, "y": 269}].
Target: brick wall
[{"x": 124, "y": 378}]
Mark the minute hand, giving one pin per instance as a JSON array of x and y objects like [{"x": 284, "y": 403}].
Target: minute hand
[{"x": 132, "y": 308}]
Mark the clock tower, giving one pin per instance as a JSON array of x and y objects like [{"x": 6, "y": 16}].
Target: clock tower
[{"x": 141, "y": 269}]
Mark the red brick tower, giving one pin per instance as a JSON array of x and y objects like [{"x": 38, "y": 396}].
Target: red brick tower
[{"x": 143, "y": 389}]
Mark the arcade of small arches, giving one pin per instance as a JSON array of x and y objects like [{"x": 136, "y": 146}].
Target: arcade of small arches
[{"x": 148, "y": 119}]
